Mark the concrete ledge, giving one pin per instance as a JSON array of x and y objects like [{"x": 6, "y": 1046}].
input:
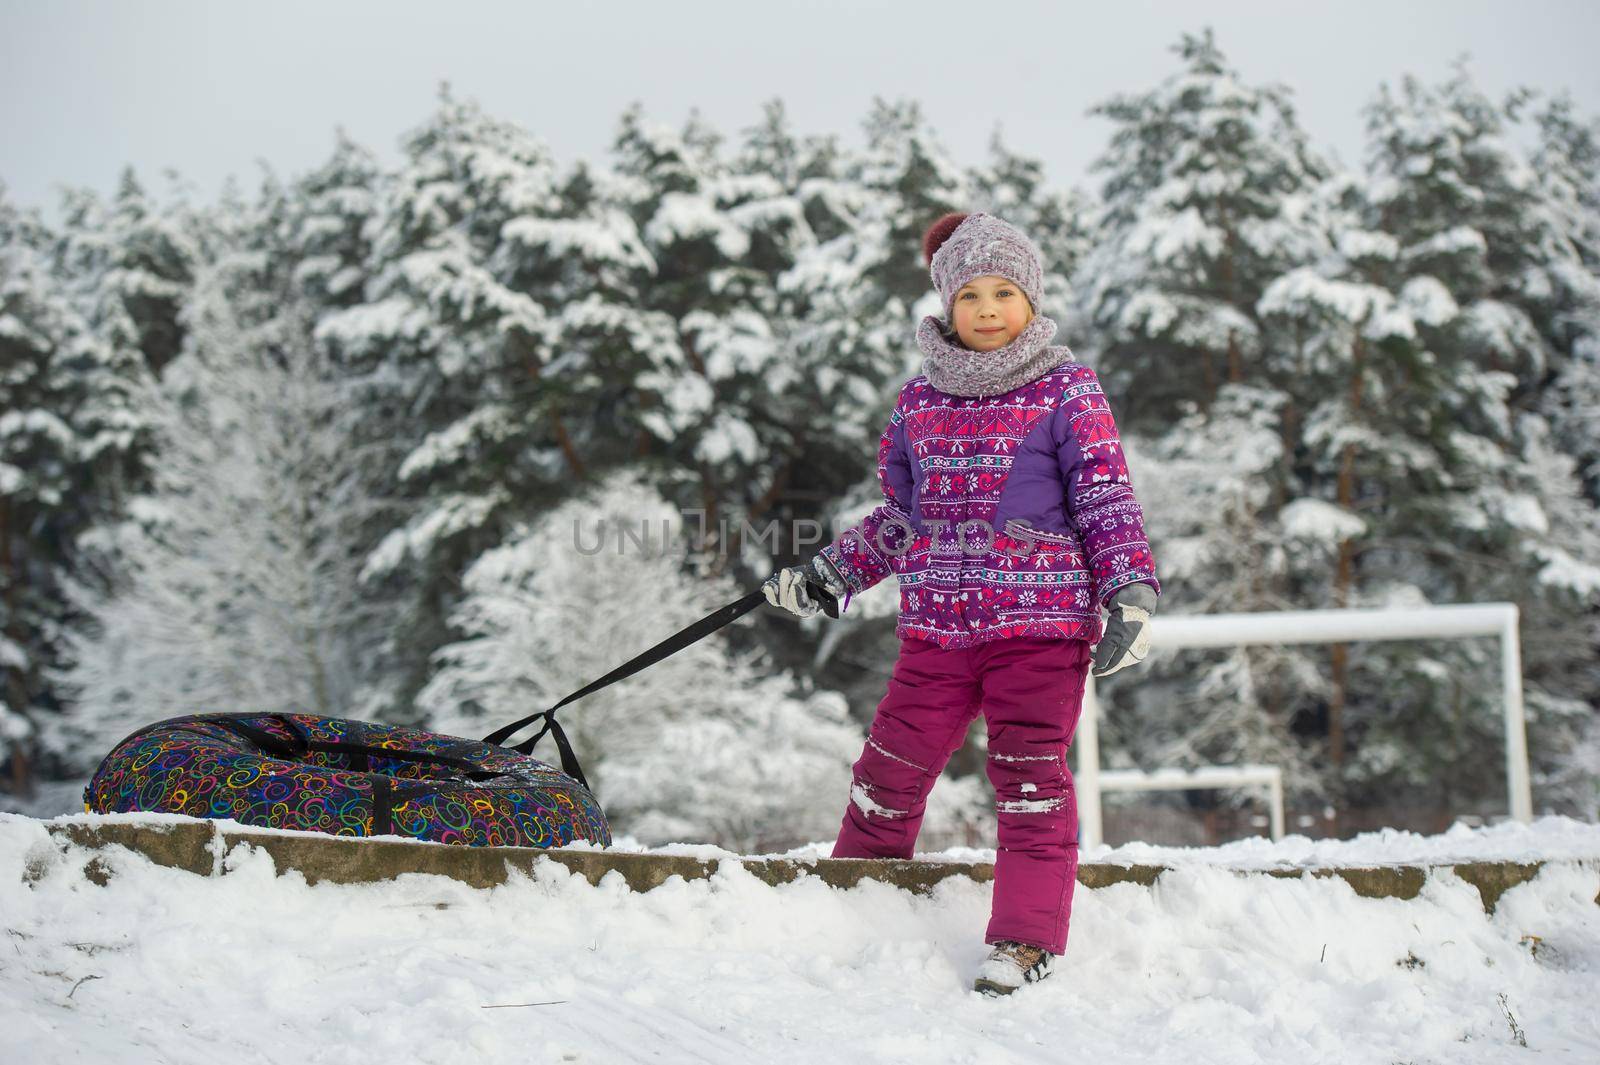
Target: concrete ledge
[
  {"x": 200, "y": 846},
  {"x": 179, "y": 845}
]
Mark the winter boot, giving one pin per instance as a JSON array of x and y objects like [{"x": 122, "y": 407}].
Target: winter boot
[{"x": 1010, "y": 965}]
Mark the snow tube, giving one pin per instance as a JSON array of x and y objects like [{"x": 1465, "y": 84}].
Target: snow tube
[{"x": 345, "y": 778}]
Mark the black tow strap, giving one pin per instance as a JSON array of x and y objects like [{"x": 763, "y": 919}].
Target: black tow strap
[
  {"x": 671, "y": 645},
  {"x": 382, "y": 806},
  {"x": 385, "y": 796}
]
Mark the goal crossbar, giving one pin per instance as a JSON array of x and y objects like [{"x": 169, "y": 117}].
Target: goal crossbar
[{"x": 1269, "y": 777}]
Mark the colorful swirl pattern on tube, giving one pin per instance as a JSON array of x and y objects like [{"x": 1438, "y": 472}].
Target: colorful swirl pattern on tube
[{"x": 197, "y": 766}]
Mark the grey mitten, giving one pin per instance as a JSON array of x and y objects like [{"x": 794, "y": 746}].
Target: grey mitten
[
  {"x": 804, "y": 590},
  {"x": 1127, "y": 637}
]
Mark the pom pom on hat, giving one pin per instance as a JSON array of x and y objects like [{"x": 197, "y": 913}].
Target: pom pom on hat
[
  {"x": 961, "y": 247},
  {"x": 939, "y": 232}
]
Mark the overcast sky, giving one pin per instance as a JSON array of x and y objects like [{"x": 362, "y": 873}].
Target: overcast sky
[{"x": 209, "y": 88}]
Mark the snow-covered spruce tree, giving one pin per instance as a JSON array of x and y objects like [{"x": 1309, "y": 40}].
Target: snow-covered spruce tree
[
  {"x": 38, "y": 451},
  {"x": 776, "y": 328},
  {"x": 910, "y": 180},
  {"x": 1567, "y": 162},
  {"x": 71, "y": 439},
  {"x": 707, "y": 745},
  {"x": 1342, "y": 341},
  {"x": 312, "y": 239},
  {"x": 1562, "y": 668},
  {"x": 328, "y": 229},
  {"x": 125, "y": 269},
  {"x": 790, "y": 343},
  {"x": 1061, "y": 223},
  {"x": 1467, "y": 500},
  {"x": 1206, "y": 183},
  {"x": 1567, "y": 165},
  {"x": 127, "y": 265},
  {"x": 722, "y": 378},
  {"x": 1208, "y": 197},
  {"x": 233, "y": 581},
  {"x": 855, "y": 300},
  {"x": 454, "y": 361},
  {"x": 812, "y": 203},
  {"x": 1207, "y": 489}
]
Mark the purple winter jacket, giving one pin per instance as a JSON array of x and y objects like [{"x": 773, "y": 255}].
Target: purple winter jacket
[{"x": 1008, "y": 515}]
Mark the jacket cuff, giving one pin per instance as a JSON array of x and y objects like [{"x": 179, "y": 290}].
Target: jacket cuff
[
  {"x": 1139, "y": 595},
  {"x": 829, "y": 575}
]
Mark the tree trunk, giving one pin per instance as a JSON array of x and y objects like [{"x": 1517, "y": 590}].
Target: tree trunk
[
  {"x": 692, "y": 355},
  {"x": 564, "y": 440},
  {"x": 711, "y": 511},
  {"x": 21, "y": 776},
  {"x": 1344, "y": 571},
  {"x": 16, "y": 686},
  {"x": 1289, "y": 432},
  {"x": 557, "y": 425},
  {"x": 1230, "y": 283}
]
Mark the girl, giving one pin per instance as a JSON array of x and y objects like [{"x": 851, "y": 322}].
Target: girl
[{"x": 1009, "y": 521}]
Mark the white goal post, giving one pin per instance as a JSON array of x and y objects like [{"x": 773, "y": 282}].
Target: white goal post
[{"x": 1299, "y": 627}]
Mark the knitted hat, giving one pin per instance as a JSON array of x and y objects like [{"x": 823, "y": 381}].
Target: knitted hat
[{"x": 960, "y": 247}]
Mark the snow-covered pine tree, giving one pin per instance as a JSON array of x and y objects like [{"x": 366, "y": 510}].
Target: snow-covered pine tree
[
  {"x": 841, "y": 344},
  {"x": 232, "y": 585},
  {"x": 71, "y": 440},
  {"x": 770, "y": 147},
  {"x": 1339, "y": 339},
  {"x": 1562, "y": 667},
  {"x": 717, "y": 393},
  {"x": 450, "y": 358},
  {"x": 1206, "y": 179},
  {"x": 1567, "y": 165},
  {"x": 38, "y": 458},
  {"x": 329, "y": 232},
  {"x": 1567, "y": 162},
  {"x": 911, "y": 180},
  {"x": 709, "y": 744},
  {"x": 312, "y": 239},
  {"x": 857, "y": 298},
  {"x": 1061, "y": 223},
  {"x": 1484, "y": 510},
  {"x": 580, "y": 261},
  {"x": 1207, "y": 197},
  {"x": 128, "y": 265}
]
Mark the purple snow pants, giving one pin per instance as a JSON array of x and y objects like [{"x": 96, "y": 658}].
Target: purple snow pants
[{"x": 1030, "y": 692}]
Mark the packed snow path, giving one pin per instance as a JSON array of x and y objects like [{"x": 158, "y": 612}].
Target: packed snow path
[{"x": 161, "y": 965}]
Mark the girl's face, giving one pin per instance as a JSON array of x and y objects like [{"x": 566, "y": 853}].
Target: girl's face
[{"x": 989, "y": 312}]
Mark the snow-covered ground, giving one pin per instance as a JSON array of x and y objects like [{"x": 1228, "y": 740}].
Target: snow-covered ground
[
  {"x": 163, "y": 966},
  {"x": 1546, "y": 839}
]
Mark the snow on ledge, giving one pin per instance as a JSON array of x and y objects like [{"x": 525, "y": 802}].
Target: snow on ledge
[{"x": 1545, "y": 839}]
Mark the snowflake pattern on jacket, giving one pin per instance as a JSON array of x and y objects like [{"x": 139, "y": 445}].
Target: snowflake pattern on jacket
[{"x": 1008, "y": 515}]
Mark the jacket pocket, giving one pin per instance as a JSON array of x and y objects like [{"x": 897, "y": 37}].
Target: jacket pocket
[{"x": 1036, "y": 572}]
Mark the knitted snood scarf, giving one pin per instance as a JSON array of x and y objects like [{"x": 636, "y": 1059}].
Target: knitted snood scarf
[{"x": 960, "y": 371}]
